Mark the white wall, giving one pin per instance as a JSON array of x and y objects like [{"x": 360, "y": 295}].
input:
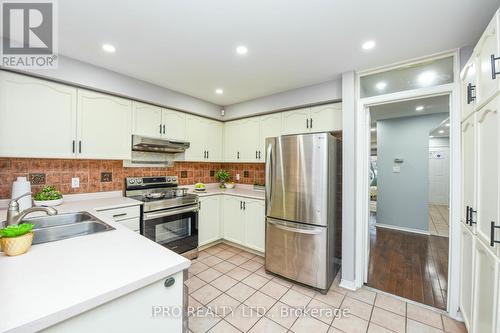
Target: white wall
[
  {"x": 83, "y": 74},
  {"x": 319, "y": 93}
]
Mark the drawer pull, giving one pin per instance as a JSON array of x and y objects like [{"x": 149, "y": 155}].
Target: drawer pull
[
  {"x": 120, "y": 215},
  {"x": 169, "y": 282},
  {"x": 470, "y": 96},
  {"x": 492, "y": 233},
  {"x": 493, "y": 67}
]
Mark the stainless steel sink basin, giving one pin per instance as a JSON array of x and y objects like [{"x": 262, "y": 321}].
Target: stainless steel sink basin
[{"x": 63, "y": 226}]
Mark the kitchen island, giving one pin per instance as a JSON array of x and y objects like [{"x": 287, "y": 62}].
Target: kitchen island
[{"x": 99, "y": 282}]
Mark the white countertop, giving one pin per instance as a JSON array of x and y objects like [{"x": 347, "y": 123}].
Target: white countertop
[
  {"x": 240, "y": 190},
  {"x": 55, "y": 281}
]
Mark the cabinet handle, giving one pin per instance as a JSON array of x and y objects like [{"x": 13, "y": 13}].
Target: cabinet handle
[
  {"x": 492, "y": 233},
  {"x": 256, "y": 154},
  {"x": 73, "y": 149},
  {"x": 199, "y": 205},
  {"x": 208, "y": 154},
  {"x": 119, "y": 215},
  {"x": 471, "y": 218},
  {"x": 164, "y": 129},
  {"x": 259, "y": 154},
  {"x": 169, "y": 282},
  {"x": 160, "y": 128},
  {"x": 467, "y": 208},
  {"x": 238, "y": 155},
  {"x": 307, "y": 122},
  {"x": 493, "y": 67},
  {"x": 244, "y": 205},
  {"x": 471, "y": 97},
  {"x": 311, "y": 123},
  {"x": 80, "y": 146},
  {"x": 241, "y": 205}
]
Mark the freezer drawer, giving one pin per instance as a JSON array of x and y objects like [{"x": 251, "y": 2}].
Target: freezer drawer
[{"x": 298, "y": 252}]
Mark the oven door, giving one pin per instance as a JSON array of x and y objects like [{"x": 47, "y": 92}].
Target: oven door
[{"x": 176, "y": 229}]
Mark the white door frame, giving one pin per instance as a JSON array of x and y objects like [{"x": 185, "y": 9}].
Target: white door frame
[{"x": 362, "y": 154}]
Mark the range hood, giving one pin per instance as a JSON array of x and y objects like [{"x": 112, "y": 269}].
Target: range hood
[{"x": 154, "y": 145}]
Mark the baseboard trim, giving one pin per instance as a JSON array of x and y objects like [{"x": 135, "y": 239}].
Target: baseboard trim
[
  {"x": 346, "y": 284},
  {"x": 395, "y": 227}
]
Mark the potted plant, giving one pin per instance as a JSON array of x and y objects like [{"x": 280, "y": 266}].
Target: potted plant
[
  {"x": 16, "y": 239},
  {"x": 48, "y": 196},
  {"x": 222, "y": 176}
]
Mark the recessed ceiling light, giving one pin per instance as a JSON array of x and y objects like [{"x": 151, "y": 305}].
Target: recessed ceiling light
[
  {"x": 426, "y": 78},
  {"x": 419, "y": 108},
  {"x": 381, "y": 85},
  {"x": 431, "y": 136},
  {"x": 241, "y": 50},
  {"x": 108, "y": 48},
  {"x": 368, "y": 45},
  {"x": 219, "y": 91},
  {"x": 447, "y": 124},
  {"x": 441, "y": 131},
  {"x": 373, "y": 129}
]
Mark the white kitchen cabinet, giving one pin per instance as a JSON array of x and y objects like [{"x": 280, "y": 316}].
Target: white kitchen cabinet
[
  {"x": 469, "y": 170},
  {"x": 326, "y": 118},
  {"x": 270, "y": 126},
  {"x": 205, "y": 138},
  {"x": 468, "y": 87},
  {"x": 242, "y": 140},
  {"x": 487, "y": 169},
  {"x": 254, "y": 222},
  {"x": 104, "y": 126},
  {"x": 485, "y": 290},
  {"x": 126, "y": 216},
  {"x": 173, "y": 124},
  {"x": 487, "y": 47},
  {"x": 296, "y": 121},
  {"x": 147, "y": 120},
  {"x": 209, "y": 220},
  {"x": 233, "y": 220},
  {"x": 133, "y": 312},
  {"x": 37, "y": 117},
  {"x": 467, "y": 274}
]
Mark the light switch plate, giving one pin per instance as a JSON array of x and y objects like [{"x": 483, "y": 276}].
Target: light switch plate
[{"x": 75, "y": 182}]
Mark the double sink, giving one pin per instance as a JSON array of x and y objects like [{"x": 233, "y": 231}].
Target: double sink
[{"x": 63, "y": 226}]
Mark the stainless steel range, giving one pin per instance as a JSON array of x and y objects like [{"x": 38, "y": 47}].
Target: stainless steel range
[{"x": 169, "y": 216}]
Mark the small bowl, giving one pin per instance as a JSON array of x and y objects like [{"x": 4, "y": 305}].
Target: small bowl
[
  {"x": 229, "y": 185},
  {"x": 48, "y": 203},
  {"x": 200, "y": 189}
]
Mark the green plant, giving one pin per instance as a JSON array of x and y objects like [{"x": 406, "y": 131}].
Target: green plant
[
  {"x": 48, "y": 193},
  {"x": 222, "y": 175},
  {"x": 16, "y": 230}
]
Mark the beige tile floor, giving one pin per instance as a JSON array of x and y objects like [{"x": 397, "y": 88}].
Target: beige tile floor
[
  {"x": 438, "y": 220},
  {"x": 229, "y": 291}
]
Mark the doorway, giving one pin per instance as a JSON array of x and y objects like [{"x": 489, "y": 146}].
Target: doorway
[{"x": 409, "y": 199}]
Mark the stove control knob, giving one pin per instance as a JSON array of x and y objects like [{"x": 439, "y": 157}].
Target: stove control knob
[
  {"x": 131, "y": 181},
  {"x": 139, "y": 181},
  {"x": 169, "y": 179}
]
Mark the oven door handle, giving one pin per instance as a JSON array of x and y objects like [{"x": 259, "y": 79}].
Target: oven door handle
[{"x": 150, "y": 216}]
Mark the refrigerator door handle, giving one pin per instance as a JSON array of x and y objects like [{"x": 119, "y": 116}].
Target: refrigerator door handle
[
  {"x": 269, "y": 166},
  {"x": 299, "y": 230}
]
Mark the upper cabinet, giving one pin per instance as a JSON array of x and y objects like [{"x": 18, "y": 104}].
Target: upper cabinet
[
  {"x": 104, "y": 126},
  {"x": 468, "y": 87},
  {"x": 322, "y": 118},
  {"x": 488, "y": 66},
  {"x": 270, "y": 126},
  {"x": 155, "y": 122},
  {"x": 205, "y": 138},
  {"x": 37, "y": 117},
  {"x": 242, "y": 140}
]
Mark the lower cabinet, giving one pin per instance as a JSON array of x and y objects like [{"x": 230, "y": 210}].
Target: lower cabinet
[
  {"x": 209, "y": 220},
  {"x": 244, "y": 221},
  {"x": 467, "y": 275},
  {"x": 485, "y": 318}
]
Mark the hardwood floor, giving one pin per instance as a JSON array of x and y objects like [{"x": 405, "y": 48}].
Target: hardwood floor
[{"x": 409, "y": 265}]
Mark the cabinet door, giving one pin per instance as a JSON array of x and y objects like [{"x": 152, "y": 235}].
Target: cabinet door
[
  {"x": 248, "y": 139},
  {"x": 270, "y": 126},
  {"x": 209, "y": 220},
  {"x": 175, "y": 124},
  {"x": 468, "y": 168},
  {"x": 195, "y": 134},
  {"x": 146, "y": 120},
  {"x": 485, "y": 48},
  {"x": 296, "y": 121},
  {"x": 468, "y": 87},
  {"x": 37, "y": 117},
  {"x": 233, "y": 219},
  {"x": 326, "y": 118},
  {"x": 485, "y": 290},
  {"x": 255, "y": 224},
  {"x": 214, "y": 141},
  {"x": 467, "y": 275},
  {"x": 104, "y": 126},
  {"x": 231, "y": 141},
  {"x": 487, "y": 168}
]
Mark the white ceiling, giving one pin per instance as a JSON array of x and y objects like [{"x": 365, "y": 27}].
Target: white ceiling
[
  {"x": 438, "y": 104},
  {"x": 189, "y": 46}
]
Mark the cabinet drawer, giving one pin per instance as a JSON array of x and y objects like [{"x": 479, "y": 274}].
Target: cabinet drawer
[
  {"x": 119, "y": 214},
  {"x": 132, "y": 224}
]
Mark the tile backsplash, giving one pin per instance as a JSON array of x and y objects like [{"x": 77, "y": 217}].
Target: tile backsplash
[{"x": 108, "y": 175}]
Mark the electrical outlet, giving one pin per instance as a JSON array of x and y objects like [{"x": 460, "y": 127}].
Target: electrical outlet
[{"x": 75, "y": 182}]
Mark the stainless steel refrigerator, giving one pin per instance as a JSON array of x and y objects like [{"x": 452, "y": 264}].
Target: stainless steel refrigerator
[{"x": 301, "y": 221}]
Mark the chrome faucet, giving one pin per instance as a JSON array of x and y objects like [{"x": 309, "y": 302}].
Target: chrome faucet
[{"x": 14, "y": 216}]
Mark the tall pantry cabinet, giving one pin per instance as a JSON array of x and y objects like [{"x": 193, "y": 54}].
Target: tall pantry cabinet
[{"x": 480, "y": 229}]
